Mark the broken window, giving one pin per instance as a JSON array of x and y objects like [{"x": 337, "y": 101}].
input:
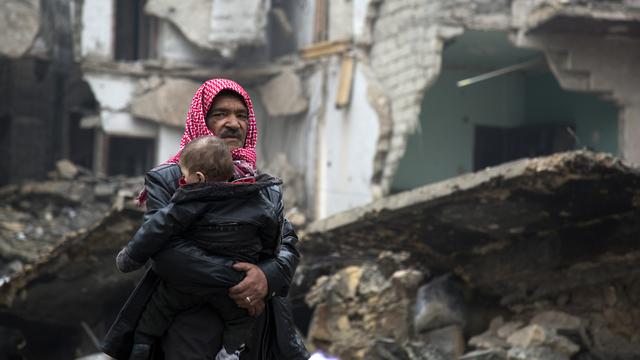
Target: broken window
[
  {"x": 130, "y": 156},
  {"x": 135, "y": 31},
  {"x": 493, "y": 103}
]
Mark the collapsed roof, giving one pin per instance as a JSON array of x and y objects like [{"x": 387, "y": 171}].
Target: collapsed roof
[{"x": 523, "y": 229}]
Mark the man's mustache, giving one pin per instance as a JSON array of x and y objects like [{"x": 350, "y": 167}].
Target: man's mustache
[{"x": 230, "y": 133}]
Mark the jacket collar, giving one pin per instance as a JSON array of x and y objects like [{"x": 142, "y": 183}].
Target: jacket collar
[{"x": 223, "y": 190}]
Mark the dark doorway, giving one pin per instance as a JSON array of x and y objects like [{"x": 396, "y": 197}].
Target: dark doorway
[
  {"x": 81, "y": 142},
  {"x": 130, "y": 156},
  {"x": 496, "y": 145}
]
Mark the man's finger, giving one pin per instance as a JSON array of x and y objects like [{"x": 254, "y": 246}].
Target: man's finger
[
  {"x": 243, "y": 266},
  {"x": 238, "y": 290}
]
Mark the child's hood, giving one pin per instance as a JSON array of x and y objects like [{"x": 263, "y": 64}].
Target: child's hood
[{"x": 223, "y": 190}]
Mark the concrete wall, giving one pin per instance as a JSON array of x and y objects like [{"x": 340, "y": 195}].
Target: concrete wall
[
  {"x": 443, "y": 147},
  {"x": 97, "y": 41},
  {"x": 596, "y": 121},
  {"x": 167, "y": 143},
  {"x": 348, "y": 139}
]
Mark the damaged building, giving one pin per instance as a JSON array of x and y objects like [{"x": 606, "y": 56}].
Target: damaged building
[{"x": 358, "y": 102}]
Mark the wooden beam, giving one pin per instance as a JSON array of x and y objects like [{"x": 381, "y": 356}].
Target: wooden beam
[
  {"x": 345, "y": 82},
  {"x": 324, "y": 48}
]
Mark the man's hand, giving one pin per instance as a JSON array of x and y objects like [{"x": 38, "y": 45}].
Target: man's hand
[{"x": 250, "y": 292}]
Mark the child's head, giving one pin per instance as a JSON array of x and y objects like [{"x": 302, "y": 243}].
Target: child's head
[{"x": 206, "y": 158}]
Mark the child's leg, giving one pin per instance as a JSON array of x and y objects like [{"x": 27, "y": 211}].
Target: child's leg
[
  {"x": 161, "y": 309},
  {"x": 238, "y": 324}
]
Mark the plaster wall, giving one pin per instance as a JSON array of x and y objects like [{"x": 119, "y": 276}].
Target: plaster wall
[
  {"x": 443, "y": 146},
  {"x": 607, "y": 66},
  {"x": 167, "y": 142},
  {"x": 97, "y": 29},
  {"x": 348, "y": 141},
  {"x": 173, "y": 47}
]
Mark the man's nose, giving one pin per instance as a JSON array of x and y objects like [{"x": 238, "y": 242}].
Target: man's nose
[{"x": 233, "y": 122}]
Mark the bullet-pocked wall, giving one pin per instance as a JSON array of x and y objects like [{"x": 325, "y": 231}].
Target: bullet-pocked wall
[{"x": 519, "y": 114}]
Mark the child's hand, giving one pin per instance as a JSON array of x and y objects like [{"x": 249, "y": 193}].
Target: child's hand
[{"x": 125, "y": 263}]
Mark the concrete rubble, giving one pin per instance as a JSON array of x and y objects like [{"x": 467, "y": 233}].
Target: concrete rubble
[
  {"x": 535, "y": 259},
  {"x": 58, "y": 239}
]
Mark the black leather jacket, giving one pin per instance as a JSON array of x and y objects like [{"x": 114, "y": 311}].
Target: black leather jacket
[
  {"x": 280, "y": 340},
  {"x": 225, "y": 219}
]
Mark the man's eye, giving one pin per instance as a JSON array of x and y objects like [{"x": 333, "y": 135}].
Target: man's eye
[
  {"x": 243, "y": 116},
  {"x": 218, "y": 115}
]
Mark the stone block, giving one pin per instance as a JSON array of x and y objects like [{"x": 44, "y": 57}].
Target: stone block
[
  {"x": 557, "y": 320},
  {"x": 536, "y": 353},
  {"x": 449, "y": 340},
  {"x": 490, "y": 354},
  {"x": 439, "y": 303}
]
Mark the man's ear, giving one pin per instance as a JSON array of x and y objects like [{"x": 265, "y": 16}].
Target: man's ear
[{"x": 201, "y": 177}]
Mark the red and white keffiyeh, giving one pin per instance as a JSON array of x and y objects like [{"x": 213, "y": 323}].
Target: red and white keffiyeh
[{"x": 196, "y": 126}]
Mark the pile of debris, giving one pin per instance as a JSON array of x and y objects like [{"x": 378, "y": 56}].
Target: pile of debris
[
  {"x": 59, "y": 288},
  {"x": 535, "y": 259}
]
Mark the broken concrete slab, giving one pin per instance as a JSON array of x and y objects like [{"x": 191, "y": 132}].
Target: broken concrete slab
[
  {"x": 283, "y": 95},
  {"x": 506, "y": 230},
  {"x": 58, "y": 240},
  {"x": 216, "y": 25},
  {"x": 191, "y": 17},
  {"x": 167, "y": 103},
  {"x": 594, "y": 18},
  {"x": 19, "y": 25},
  {"x": 241, "y": 22}
]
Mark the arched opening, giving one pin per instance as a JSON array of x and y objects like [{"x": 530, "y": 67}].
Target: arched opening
[{"x": 517, "y": 114}]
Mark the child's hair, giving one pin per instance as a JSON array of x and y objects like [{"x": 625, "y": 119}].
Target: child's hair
[{"x": 209, "y": 155}]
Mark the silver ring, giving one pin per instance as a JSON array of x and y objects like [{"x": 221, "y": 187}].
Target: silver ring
[{"x": 248, "y": 299}]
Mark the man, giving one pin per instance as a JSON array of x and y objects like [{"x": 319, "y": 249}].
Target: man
[{"x": 223, "y": 108}]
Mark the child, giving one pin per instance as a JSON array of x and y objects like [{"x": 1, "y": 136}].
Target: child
[{"x": 225, "y": 219}]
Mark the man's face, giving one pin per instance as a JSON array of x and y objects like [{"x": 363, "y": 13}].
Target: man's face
[{"x": 228, "y": 119}]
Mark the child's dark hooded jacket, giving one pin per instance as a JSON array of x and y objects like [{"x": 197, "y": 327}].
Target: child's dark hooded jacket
[{"x": 232, "y": 220}]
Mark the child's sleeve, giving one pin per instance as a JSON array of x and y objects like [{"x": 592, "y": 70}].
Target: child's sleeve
[{"x": 155, "y": 233}]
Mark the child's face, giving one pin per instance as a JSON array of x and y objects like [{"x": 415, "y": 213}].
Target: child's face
[{"x": 190, "y": 178}]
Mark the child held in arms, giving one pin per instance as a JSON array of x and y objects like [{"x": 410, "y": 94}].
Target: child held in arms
[{"x": 232, "y": 222}]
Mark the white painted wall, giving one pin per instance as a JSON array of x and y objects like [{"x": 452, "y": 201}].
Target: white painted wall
[
  {"x": 113, "y": 92},
  {"x": 348, "y": 144},
  {"x": 97, "y": 29},
  {"x": 123, "y": 124},
  {"x": 168, "y": 143},
  {"x": 360, "y": 8}
]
